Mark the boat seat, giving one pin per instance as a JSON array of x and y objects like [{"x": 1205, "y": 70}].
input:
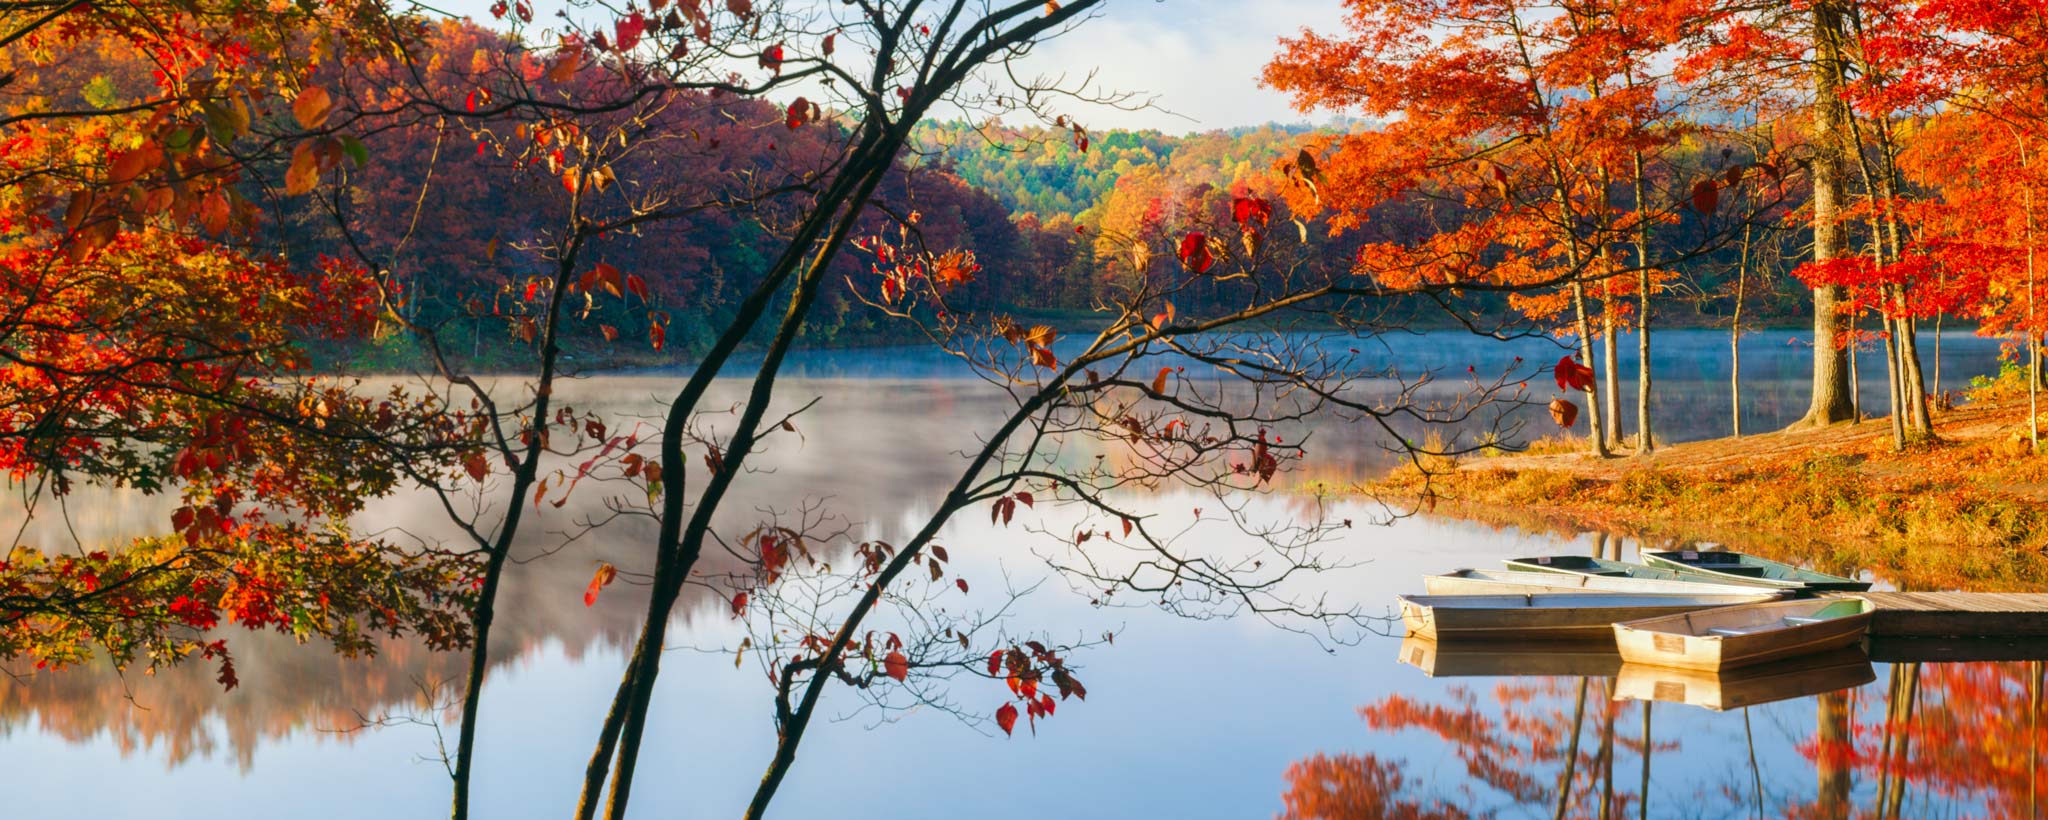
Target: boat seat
[
  {"x": 1789, "y": 620},
  {"x": 1730, "y": 632}
]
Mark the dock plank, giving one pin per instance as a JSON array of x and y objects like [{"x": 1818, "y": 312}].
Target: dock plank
[{"x": 1956, "y": 614}]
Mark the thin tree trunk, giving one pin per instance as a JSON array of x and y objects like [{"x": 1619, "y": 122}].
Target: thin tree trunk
[
  {"x": 1855, "y": 374},
  {"x": 524, "y": 472},
  {"x": 1735, "y": 337},
  {"x": 1941, "y": 397},
  {"x": 2032, "y": 336},
  {"x": 1643, "y": 801},
  {"x": 1893, "y": 379},
  {"x": 1646, "y": 438},
  {"x": 1611, "y": 379},
  {"x": 1571, "y": 756},
  {"x": 1585, "y": 330},
  {"x": 1756, "y": 773},
  {"x": 621, "y": 734}
]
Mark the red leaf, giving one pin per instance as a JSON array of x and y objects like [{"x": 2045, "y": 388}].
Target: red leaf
[
  {"x": 606, "y": 574},
  {"x": 636, "y": 286},
  {"x": 1026, "y": 498},
  {"x": 739, "y": 604},
  {"x": 961, "y": 583},
  {"x": 1245, "y": 209},
  {"x": 995, "y": 662},
  {"x": 629, "y": 29},
  {"x": 1571, "y": 375},
  {"x": 1006, "y": 718},
  {"x": 227, "y": 678},
  {"x": 474, "y": 463},
  {"x": 896, "y": 666},
  {"x": 800, "y": 112},
  {"x": 1706, "y": 197},
  {"x": 1194, "y": 252}
]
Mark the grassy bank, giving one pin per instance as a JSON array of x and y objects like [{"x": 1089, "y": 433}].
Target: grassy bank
[{"x": 1966, "y": 511}]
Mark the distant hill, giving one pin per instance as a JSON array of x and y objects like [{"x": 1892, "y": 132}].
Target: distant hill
[{"x": 1042, "y": 171}]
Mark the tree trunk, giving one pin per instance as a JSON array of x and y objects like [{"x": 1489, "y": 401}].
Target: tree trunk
[
  {"x": 1649, "y": 746},
  {"x": 1585, "y": 330},
  {"x": 1894, "y": 380},
  {"x": 1832, "y": 401},
  {"x": 1611, "y": 380},
  {"x": 1646, "y": 439},
  {"x": 1832, "y": 770},
  {"x": 1571, "y": 756},
  {"x": 1735, "y": 337}
]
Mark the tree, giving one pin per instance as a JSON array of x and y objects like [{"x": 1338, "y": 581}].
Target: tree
[{"x": 1515, "y": 126}]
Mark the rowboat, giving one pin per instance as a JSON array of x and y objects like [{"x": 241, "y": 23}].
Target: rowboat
[
  {"x": 1756, "y": 685},
  {"x": 1736, "y": 636},
  {"x": 1740, "y": 567},
  {"x": 1544, "y": 659},
  {"x": 1601, "y": 567},
  {"x": 1543, "y": 616},
  {"x": 1510, "y": 582}
]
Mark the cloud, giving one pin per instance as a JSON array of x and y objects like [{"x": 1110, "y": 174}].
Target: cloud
[{"x": 1199, "y": 60}]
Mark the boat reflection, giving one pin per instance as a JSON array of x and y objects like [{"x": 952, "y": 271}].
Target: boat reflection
[
  {"x": 1548, "y": 659},
  {"x": 1747, "y": 686}
]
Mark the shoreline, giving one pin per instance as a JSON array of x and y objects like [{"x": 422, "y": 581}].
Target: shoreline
[{"x": 1968, "y": 510}]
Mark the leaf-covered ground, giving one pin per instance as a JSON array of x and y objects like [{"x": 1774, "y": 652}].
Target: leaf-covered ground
[{"x": 1968, "y": 510}]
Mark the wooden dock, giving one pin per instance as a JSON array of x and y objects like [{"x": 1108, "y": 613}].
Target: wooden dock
[{"x": 1956, "y": 614}]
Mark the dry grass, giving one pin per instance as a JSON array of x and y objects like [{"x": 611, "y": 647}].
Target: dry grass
[{"x": 1966, "y": 510}]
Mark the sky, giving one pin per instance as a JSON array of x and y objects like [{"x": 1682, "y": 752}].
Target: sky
[{"x": 1200, "y": 59}]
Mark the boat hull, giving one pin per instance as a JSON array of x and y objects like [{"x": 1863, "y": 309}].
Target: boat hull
[
  {"x": 1733, "y": 567},
  {"x": 1601, "y": 568},
  {"x": 1496, "y": 582},
  {"x": 1547, "y": 617},
  {"x": 1684, "y": 641}
]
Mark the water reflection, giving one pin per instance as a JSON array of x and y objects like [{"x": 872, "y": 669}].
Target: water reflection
[
  {"x": 1194, "y": 719},
  {"x": 1891, "y": 740}
]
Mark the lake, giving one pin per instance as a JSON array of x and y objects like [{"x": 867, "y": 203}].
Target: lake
[{"x": 1185, "y": 717}]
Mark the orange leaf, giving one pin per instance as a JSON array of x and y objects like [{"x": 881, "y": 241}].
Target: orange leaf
[
  {"x": 1159, "y": 381},
  {"x": 1563, "y": 412},
  {"x": 896, "y": 666},
  {"x": 564, "y": 69},
  {"x": 606, "y": 574},
  {"x": 312, "y": 107},
  {"x": 304, "y": 172}
]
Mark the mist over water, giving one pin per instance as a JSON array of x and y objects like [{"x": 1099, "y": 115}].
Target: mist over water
[{"x": 1189, "y": 718}]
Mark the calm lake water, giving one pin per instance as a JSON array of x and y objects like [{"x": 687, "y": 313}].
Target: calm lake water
[{"x": 1225, "y": 718}]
